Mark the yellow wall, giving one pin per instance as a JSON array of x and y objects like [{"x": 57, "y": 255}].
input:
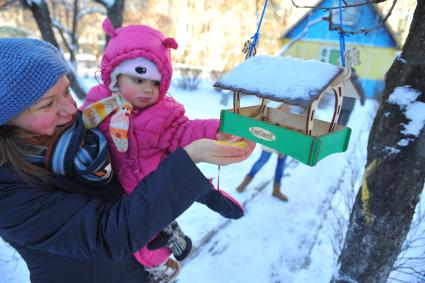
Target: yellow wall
[{"x": 375, "y": 61}]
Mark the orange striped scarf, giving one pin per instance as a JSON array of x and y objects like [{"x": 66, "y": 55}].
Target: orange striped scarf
[{"x": 120, "y": 109}]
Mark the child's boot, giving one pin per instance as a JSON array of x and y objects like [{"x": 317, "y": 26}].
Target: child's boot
[
  {"x": 164, "y": 273},
  {"x": 173, "y": 238},
  {"x": 244, "y": 184},
  {"x": 277, "y": 193},
  {"x": 179, "y": 244}
]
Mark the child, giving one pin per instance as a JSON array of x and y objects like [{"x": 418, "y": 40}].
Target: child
[{"x": 143, "y": 125}]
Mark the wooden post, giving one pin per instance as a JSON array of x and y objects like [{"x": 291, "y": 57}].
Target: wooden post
[
  {"x": 264, "y": 102},
  {"x": 338, "y": 105},
  {"x": 310, "y": 116},
  {"x": 236, "y": 101}
]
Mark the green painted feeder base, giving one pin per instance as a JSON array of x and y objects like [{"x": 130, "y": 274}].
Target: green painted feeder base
[{"x": 284, "y": 132}]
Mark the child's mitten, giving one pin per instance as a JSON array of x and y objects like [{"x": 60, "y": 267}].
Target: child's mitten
[{"x": 223, "y": 203}]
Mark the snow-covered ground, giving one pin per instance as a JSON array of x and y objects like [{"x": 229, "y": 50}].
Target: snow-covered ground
[{"x": 274, "y": 241}]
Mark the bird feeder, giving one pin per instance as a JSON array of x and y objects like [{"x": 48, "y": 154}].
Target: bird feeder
[{"x": 295, "y": 82}]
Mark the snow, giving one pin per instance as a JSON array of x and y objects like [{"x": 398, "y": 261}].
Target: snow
[
  {"x": 281, "y": 78},
  {"x": 414, "y": 111},
  {"x": 35, "y": 2},
  {"x": 400, "y": 58},
  {"x": 392, "y": 150},
  {"x": 109, "y": 3},
  {"x": 274, "y": 241}
]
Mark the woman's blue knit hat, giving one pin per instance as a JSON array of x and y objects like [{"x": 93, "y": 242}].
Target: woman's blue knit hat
[{"x": 28, "y": 69}]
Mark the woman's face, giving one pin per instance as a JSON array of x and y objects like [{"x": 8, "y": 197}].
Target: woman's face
[
  {"x": 139, "y": 92},
  {"x": 53, "y": 110}
]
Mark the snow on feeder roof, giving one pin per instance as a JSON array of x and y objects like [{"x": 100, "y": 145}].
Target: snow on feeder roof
[{"x": 290, "y": 80}]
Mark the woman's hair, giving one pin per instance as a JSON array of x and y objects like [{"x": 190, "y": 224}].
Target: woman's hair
[{"x": 12, "y": 156}]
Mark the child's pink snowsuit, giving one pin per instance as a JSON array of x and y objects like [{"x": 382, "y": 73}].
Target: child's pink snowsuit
[{"x": 154, "y": 132}]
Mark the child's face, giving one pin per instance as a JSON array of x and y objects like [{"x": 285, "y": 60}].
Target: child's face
[{"x": 139, "y": 92}]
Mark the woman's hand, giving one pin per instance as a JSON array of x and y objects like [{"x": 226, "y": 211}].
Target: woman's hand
[
  {"x": 228, "y": 137},
  {"x": 206, "y": 150}
]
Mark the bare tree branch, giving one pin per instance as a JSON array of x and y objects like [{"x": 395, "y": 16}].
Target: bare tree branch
[
  {"x": 334, "y": 8},
  {"x": 74, "y": 36},
  {"x": 287, "y": 46},
  {"x": 107, "y": 4},
  {"x": 60, "y": 27},
  {"x": 339, "y": 28},
  {"x": 86, "y": 12},
  {"x": 114, "y": 12},
  {"x": 62, "y": 31},
  {"x": 335, "y": 26},
  {"x": 5, "y": 3}
]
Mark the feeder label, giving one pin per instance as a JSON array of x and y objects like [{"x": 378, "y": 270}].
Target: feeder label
[{"x": 262, "y": 133}]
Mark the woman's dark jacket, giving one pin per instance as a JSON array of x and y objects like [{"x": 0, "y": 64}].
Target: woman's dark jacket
[{"x": 68, "y": 231}]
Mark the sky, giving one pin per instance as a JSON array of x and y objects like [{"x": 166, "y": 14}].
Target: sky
[{"x": 279, "y": 242}]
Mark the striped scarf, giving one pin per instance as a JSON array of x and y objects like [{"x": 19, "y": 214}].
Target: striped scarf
[{"x": 75, "y": 151}]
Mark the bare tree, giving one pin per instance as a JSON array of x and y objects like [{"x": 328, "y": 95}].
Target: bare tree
[
  {"x": 41, "y": 13},
  {"x": 335, "y": 25},
  {"x": 189, "y": 78},
  {"x": 114, "y": 11},
  {"x": 410, "y": 262},
  {"x": 5, "y": 3},
  {"x": 392, "y": 183},
  {"x": 69, "y": 36}
]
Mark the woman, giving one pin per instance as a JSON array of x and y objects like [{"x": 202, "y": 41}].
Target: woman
[{"x": 59, "y": 206}]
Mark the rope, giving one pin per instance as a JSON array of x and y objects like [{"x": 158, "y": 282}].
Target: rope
[
  {"x": 218, "y": 178},
  {"x": 257, "y": 34},
  {"x": 341, "y": 36}
]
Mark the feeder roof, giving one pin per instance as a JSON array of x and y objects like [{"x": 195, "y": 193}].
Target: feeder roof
[{"x": 290, "y": 80}]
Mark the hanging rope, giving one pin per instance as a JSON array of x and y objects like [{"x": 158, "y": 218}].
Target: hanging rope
[
  {"x": 257, "y": 34},
  {"x": 341, "y": 36}
]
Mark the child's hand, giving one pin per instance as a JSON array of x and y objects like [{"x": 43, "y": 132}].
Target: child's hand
[{"x": 210, "y": 151}]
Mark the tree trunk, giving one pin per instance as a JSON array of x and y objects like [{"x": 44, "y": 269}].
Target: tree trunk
[
  {"x": 114, "y": 13},
  {"x": 392, "y": 183},
  {"x": 41, "y": 15},
  {"x": 74, "y": 41}
]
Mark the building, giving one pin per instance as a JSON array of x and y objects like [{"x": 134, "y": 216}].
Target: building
[{"x": 310, "y": 38}]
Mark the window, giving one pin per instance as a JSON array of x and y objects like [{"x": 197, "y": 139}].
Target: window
[
  {"x": 329, "y": 55},
  {"x": 348, "y": 15}
]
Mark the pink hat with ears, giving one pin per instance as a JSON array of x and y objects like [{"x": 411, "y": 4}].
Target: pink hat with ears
[
  {"x": 137, "y": 41},
  {"x": 138, "y": 67}
]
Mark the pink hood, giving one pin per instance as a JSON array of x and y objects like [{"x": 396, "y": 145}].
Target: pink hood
[{"x": 136, "y": 41}]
